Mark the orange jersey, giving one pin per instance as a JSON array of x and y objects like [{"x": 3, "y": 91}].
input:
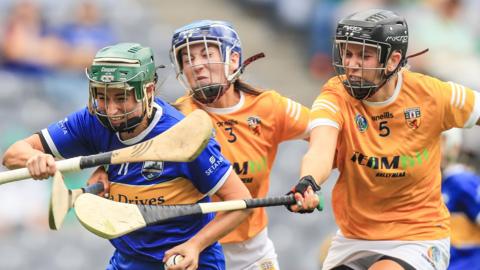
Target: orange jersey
[
  {"x": 389, "y": 156},
  {"x": 249, "y": 134}
]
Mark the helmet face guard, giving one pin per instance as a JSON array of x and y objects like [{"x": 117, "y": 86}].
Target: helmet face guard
[
  {"x": 216, "y": 83},
  {"x": 208, "y": 35},
  {"x": 381, "y": 29},
  {"x": 127, "y": 70},
  {"x": 100, "y": 103},
  {"x": 370, "y": 79}
]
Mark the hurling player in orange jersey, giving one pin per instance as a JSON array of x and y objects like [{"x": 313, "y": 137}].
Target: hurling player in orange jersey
[
  {"x": 380, "y": 124},
  {"x": 249, "y": 123}
]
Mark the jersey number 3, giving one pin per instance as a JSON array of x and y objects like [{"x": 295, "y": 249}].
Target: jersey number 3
[{"x": 232, "y": 135}]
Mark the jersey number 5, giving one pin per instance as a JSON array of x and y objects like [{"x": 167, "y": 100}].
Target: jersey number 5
[{"x": 384, "y": 130}]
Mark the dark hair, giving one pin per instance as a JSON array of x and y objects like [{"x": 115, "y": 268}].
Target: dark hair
[{"x": 240, "y": 85}]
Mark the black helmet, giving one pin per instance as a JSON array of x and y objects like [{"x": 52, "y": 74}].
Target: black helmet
[{"x": 383, "y": 29}]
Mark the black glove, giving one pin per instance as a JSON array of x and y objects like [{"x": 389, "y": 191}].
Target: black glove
[{"x": 301, "y": 187}]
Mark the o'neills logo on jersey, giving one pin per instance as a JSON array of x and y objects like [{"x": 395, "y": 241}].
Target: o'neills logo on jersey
[
  {"x": 254, "y": 124},
  {"x": 385, "y": 115},
  {"x": 152, "y": 169},
  {"x": 228, "y": 123},
  {"x": 412, "y": 116},
  {"x": 361, "y": 122}
]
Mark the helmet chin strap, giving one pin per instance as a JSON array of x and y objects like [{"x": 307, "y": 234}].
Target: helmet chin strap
[
  {"x": 364, "y": 90},
  {"x": 130, "y": 124},
  {"x": 210, "y": 93}
]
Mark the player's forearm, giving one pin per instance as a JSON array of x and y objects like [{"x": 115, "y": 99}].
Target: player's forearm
[
  {"x": 17, "y": 155},
  {"x": 223, "y": 223},
  {"x": 316, "y": 166},
  {"x": 219, "y": 227},
  {"x": 318, "y": 160}
]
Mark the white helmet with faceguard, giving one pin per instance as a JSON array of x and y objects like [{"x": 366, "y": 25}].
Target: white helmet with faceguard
[
  {"x": 381, "y": 29},
  {"x": 126, "y": 66},
  {"x": 206, "y": 32}
]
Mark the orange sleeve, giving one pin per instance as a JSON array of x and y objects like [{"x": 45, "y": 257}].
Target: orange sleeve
[
  {"x": 461, "y": 105},
  {"x": 292, "y": 118},
  {"x": 327, "y": 109}
]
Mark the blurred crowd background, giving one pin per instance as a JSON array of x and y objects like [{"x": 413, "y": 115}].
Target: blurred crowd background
[{"x": 46, "y": 45}]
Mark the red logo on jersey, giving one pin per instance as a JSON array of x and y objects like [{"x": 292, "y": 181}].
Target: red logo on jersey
[
  {"x": 412, "y": 117},
  {"x": 254, "y": 124}
]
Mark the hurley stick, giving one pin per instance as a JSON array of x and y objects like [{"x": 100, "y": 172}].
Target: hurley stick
[
  {"x": 181, "y": 143},
  {"x": 110, "y": 219},
  {"x": 62, "y": 199}
]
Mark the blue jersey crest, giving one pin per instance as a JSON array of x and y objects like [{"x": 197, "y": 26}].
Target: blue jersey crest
[{"x": 152, "y": 169}]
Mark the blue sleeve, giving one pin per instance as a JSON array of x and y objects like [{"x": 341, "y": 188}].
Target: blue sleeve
[
  {"x": 465, "y": 188},
  {"x": 450, "y": 194},
  {"x": 210, "y": 169},
  {"x": 471, "y": 197},
  {"x": 72, "y": 136}
]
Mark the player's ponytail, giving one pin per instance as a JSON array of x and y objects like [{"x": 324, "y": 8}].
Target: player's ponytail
[{"x": 240, "y": 85}]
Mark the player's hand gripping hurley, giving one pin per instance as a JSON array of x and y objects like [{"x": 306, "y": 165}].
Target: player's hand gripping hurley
[
  {"x": 181, "y": 143},
  {"x": 110, "y": 219}
]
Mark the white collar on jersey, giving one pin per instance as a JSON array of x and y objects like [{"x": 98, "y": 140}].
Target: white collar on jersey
[
  {"x": 228, "y": 110},
  {"x": 391, "y": 99},
  {"x": 143, "y": 134}
]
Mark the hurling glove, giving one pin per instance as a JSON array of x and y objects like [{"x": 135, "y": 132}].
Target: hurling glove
[{"x": 301, "y": 187}]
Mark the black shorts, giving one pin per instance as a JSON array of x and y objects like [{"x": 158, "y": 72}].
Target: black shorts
[{"x": 402, "y": 263}]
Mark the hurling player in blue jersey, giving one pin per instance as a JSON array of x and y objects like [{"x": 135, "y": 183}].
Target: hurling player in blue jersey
[
  {"x": 461, "y": 193},
  {"x": 123, "y": 111}
]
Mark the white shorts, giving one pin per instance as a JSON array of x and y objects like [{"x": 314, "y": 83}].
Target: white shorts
[
  {"x": 257, "y": 253},
  {"x": 361, "y": 254}
]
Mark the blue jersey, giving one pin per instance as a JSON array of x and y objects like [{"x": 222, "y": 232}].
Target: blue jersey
[
  {"x": 461, "y": 192},
  {"x": 152, "y": 183}
]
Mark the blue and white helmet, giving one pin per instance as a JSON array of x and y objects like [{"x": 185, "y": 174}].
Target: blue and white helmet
[{"x": 220, "y": 33}]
